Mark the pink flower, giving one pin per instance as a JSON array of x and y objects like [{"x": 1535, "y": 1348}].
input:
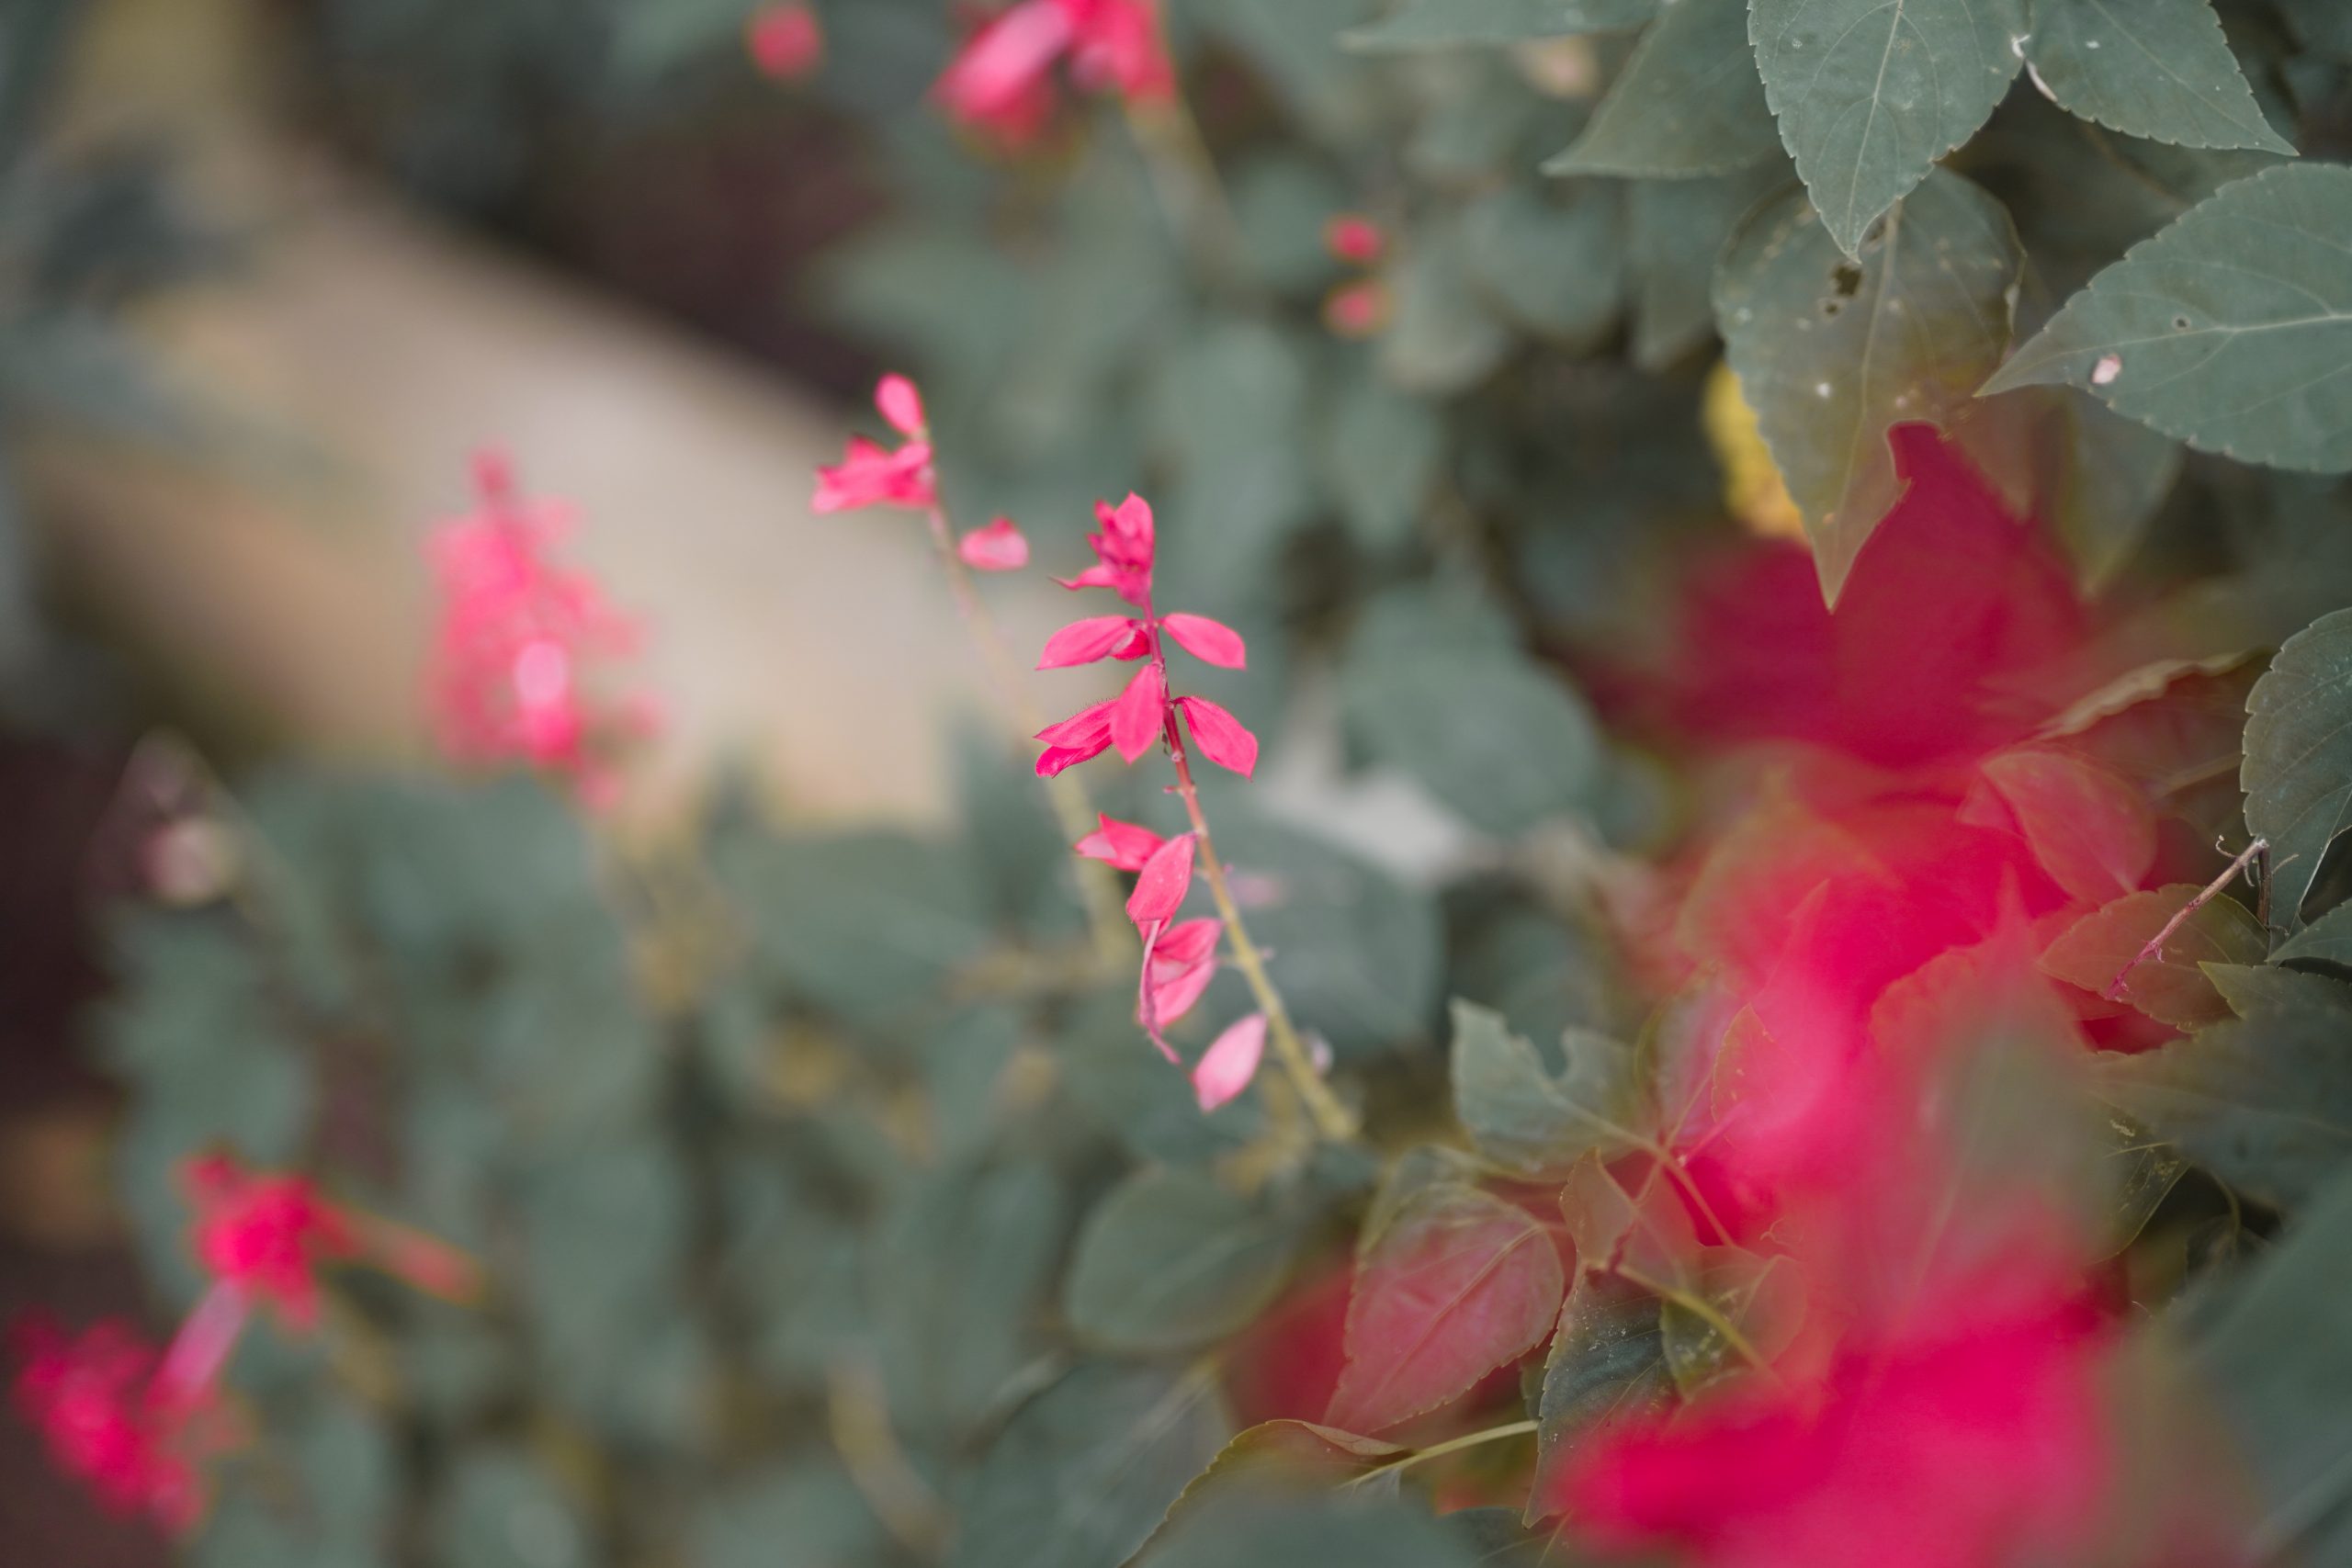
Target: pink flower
[
  {"x": 871, "y": 475},
  {"x": 1230, "y": 1061},
  {"x": 1212, "y": 642},
  {"x": 1357, "y": 310},
  {"x": 1125, "y": 544},
  {"x": 1221, "y": 738},
  {"x": 110, "y": 1414},
  {"x": 267, "y": 1235},
  {"x": 1123, "y": 846},
  {"x": 1001, "y": 82},
  {"x": 1176, "y": 972},
  {"x": 786, "y": 42},
  {"x": 1098, "y": 636},
  {"x": 520, "y": 640},
  {"x": 1164, "y": 880},
  {"x": 1000, "y": 547},
  {"x": 1353, "y": 237},
  {"x": 1140, "y": 715},
  {"x": 1086, "y": 733}
]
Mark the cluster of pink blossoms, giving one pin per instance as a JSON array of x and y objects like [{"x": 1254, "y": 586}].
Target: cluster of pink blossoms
[
  {"x": 1002, "y": 83},
  {"x": 138, "y": 1423},
  {"x": 519, "y": 642},
  {"x": 786, "y": 42},
  {"x": 872, "y": 474}
]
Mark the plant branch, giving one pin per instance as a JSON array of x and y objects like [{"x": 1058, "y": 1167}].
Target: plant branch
[
  {"x": 1438, "y": 1451},
  {"x": 2119, "y": 988}
]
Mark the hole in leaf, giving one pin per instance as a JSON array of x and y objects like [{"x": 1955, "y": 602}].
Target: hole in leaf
[
  {"x": 2180, "y": 324},
  {"x": 1846, "y": 279}
]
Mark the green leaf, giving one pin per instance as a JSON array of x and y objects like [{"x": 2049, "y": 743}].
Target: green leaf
[
  {"x": 2298, "y": 770},
  {"x": 803, "y": 1514},
  {"x": 1869, "y": 93},
  {"x": 1553, "y": 268},
  {"x": 1322, "y": 1532},
  {"x": 2158, "y": 68},
  {"x": 2169, "y": 986},
  {"x": 1450, "y": 24},
  {"x": 1383, "y": 454},
  {"x": 2265, "y": 991},
  {"x": 2276, "y": 1355},
  {"x": 1759, "y": 1299},
  {"x": 1460, "y": 1282},
  {"x": 502, "y": 1509},
  {"x": 1689, "y": 102},
  {"x": 1083, "y": 1474},
  {"x": 2327, "y": 940},
  {"x": 2266, "y": 1103},
  {"x": 1607, "y": 1363},
  {"x": 1675, "y": 229},
  {"x": 1173, "y": 1259},
  {"x": 1505, "y": 744},
  {"x": 1830, "y": 353},
  {"x": 1523, "y": 1116},
  {"x": 2230, "y": 328},
  {"x": 1277, "y": 1456}
]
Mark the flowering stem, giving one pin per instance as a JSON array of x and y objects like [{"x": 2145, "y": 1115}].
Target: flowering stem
[
  {"x": 1331, "y": 1118},
  {"x": 201, "y": 1347},
  {"x": 1072, "y": 809}
]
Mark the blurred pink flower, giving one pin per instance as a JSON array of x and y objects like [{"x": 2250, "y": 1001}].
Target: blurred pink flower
[
  {"x": 1353, "y": 237},
  {"x": 786, "y": 42},
  {"x": 1001, "y": 82},
  {"x": 871, "y": 475},
  {"x": 519, "y": 637},
  {"x": 267, "y": 1235},
  {"x": 110, "y": 1415},
  {"x": 1000, "y": 547},
  {"x": 1123, "y": 846}
]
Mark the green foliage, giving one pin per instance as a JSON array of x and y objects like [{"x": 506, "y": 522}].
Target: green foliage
[
  {"x": 1171, "y": 1259},
  {"x": 1528, "y": 1119},
  {"x": 2102, "y": 952},
  {"x": 2298, "y": 769},
  {"x": 1688, "y": 102},
  {"x": 2158, "y": 68}
]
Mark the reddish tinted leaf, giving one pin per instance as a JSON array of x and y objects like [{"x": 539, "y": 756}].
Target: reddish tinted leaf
[
  {"x": 1278, "y": 1456},
  {"x": 1083, "y": 642},
  {"x": 2170, "y": 986},
  {"x": 1204, "y": 639},
  {"x": 2092, "y": 832},
  {"x": 1221, "y": 738},
  {"x": 1458, "y": 1284},
  {"x": 1139, "y": 712},
  {"x": 1160, "y": 887}
]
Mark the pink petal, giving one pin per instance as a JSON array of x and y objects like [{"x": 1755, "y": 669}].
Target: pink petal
[
  {"x": 1137, "y": 644},
  {"x": 1083, "y": 642},
  {"x": 1186, "y": 943},
  {"x": 1131, "y": 520},
  {"x": 900, "y": 404},
  {"x": 1000, "y": 547},
  {"x": 1353, "y": 238},
  {"x": 1139, "y": 716},
  {"x": 1092, "y": 577},
  {"x": 1204, "y": 639},
  {"x": 1123, "y": 846},
  {"x": 1221, "y": 738},
  {"x": 786, "y": 40},
  {"x": 1085, "y": 727},
  {"x": 1055, "y": 759},
  {"x": 1005, "y": 59},
  {"x": 1230, "y": 1061},
  {"x": 1171, "y": 994},
  {"x": 1160, "y": 887}
]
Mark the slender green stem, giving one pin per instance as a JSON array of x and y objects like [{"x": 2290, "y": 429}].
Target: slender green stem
[
  {"x": 1332, "y": 1118},
  {"x": 1072, "y": 809},
  {"x": 1438, "y": 1451}
]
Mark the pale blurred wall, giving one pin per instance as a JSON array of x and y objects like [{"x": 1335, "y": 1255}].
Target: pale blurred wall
[{"x": 364, "y": 353}]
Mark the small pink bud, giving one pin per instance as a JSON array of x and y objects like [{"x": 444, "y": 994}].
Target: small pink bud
[
  {"x": 900, "y": 404},
  {"x": 1214, "y": 641},
  {"x": 1139, "y": 715},
  {"x": 1221, "y": 738},
  {"x": 1083, "y": 642},
  {"x": 1230, "y": 1061},
  {"x": 1000, "y": 547},
  {"x": 1160, "y": 887},
  {"x": 1123, "y": 846},
  {"x": 1359, "y": 310},
  {"x": 1354, "y": 238}
]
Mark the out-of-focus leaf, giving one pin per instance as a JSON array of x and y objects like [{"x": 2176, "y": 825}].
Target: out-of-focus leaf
[
  {"x": 1280, "y": 1456},
  {"x": 2232, "y": 349},
  {"x": 803, "y": 1514},
  {"x": 1675, "y": 229},
  {"x": 1228, "y": 407},
  {"x": 1275, "y": 1533},
  {"x": 2298, "y": 770},
  {"x": 2155, "y": 68},
  {"x": 1459, "y": 1283},
  {"x": 1170, "y": 1260},
  {"x": 2265, "y": 1103},
  {"x": 1442, "y": 338},
  {"x": 1759, "y": 1299},
  {"x": 1383, "y": 454},
  {"x": 1687, "y": 103},
  {"x": 2276, "y": 1355},
  {"x": 1831, "y": 352},
  {"x": 1083, "y": 1474},
  {"x": 1553, "y": 269},
  {"x": 1445, "y": 24},
  {"x": 2090, "y": 830},
  {"x": 501, "y": 1509},
  {"x": 1868, "y": 96},
  {"x": 2169, "y": 986},
  {"x": 1528, "y": 1118},
  {"x": 2174, "y": 728}
]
